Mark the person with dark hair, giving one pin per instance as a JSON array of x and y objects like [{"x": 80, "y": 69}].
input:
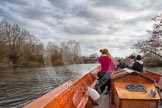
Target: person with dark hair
[
  {"x": 131, "y": 61},
  {"x": 107, "y": 64},
  {"x": 138, "y": 65},
  {"x": 120, "y": 65}
]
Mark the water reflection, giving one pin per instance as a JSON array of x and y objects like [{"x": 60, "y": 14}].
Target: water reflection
[{"x": 20, "y": 87}]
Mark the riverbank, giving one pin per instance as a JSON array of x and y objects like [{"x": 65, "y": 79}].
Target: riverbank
[
  {"x": 153, "y": 65},
  {"x": 153, "y": 62}
]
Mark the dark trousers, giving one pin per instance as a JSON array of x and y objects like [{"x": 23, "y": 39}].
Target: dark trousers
[
  {"x": 108, "y": 84},
  {"x": 104, "y": 80}
]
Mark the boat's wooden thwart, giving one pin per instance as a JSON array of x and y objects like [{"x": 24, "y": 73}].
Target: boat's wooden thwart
[{"x": 72, "y": 94}]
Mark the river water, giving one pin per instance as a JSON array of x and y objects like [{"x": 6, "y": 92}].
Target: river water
[
  {"x": 154, "y": 69},
  {"x": 19, "y": 87}
]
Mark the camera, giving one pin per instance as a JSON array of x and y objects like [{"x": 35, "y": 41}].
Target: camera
[{"x": 101, "y": 50}]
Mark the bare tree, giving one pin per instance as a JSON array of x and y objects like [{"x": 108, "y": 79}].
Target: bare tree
[
  {"x": 14, "y": 37},
  {"x": 65, "y": 54},
  {"x": 53, "y": 54},
  {"x": 30, "y": 52},
  {"x": 17, "y": 44},
  {"x": 19, "y": 47},
  {"x": 71, "y": 50},
  {"x": 153, "y": 45}
]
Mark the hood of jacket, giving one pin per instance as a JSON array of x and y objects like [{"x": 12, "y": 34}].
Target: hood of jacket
[{"x": 139, "y": 61}]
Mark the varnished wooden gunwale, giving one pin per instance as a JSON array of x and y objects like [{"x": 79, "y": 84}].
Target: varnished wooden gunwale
[
  {"x": 153, "y": 75},
  {"x": 57, "y": 98}
]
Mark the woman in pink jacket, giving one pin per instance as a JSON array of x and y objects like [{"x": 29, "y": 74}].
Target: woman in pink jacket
[{"x": 107, "y": 64}]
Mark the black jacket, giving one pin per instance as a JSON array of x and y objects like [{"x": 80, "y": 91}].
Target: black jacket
[
  {"x": 121, "y": 65},
  {"x": 138, "y": 66}
]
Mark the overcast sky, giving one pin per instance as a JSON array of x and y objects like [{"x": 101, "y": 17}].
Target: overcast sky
[{"x": 95, "y": 24}]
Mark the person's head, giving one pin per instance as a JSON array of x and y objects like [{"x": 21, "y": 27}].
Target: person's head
[
  {"x": 105, "y": 51},
  {"x": 119, "y": 60},
  {"x": 138, "y": 57},
  {"x": 131, "y": 57}
]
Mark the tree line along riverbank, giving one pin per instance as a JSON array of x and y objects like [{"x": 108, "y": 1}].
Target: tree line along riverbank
[{"x": 20, "y": 48}]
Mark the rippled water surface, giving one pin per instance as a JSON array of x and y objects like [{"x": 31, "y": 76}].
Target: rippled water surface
[{"x": 19, "y": 87}]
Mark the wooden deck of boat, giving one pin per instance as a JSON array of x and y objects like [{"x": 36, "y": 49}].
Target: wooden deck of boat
[
  {"x": 160, "y": 106},
  {"x": 104, "y": 102}
]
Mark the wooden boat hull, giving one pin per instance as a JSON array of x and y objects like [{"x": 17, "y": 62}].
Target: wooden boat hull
[
  {"x": 154, "y": 76},
  {"x": 73, "y": 94}
]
